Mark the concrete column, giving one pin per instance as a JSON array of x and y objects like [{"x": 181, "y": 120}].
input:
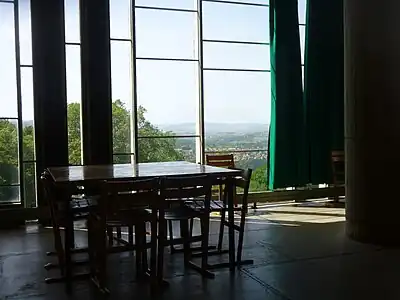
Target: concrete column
[
  {"x": 372, "y": 120},
  {"x": 96, "y": 82},
  {"x": 49, "y": 86}
]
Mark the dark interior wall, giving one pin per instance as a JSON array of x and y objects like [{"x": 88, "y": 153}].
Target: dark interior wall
[{"x": 49, "y": 84}]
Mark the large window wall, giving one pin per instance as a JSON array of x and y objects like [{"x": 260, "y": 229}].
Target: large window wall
[
  {"x": 191, "y": 78},
  {"x": 17, "y": 150},
  {"x": 188, "y": 78}
]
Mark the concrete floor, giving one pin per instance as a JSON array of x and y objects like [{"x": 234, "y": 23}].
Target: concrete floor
[{"x": 299, "y": 252}]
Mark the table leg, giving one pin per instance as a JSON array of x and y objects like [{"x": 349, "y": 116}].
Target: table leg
[
  {"x": 231, "y": 220},
  {"x": 69, "y": 236}
]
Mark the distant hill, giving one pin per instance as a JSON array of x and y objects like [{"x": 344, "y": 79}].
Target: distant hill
[
  {"x": 213, "y": 128},
  {"x": 25, "y": 123}
]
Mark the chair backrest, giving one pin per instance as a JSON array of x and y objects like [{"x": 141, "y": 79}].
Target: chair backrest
[
  {"x": 338, "y": 168},
  {"x": 49, "y": 192},
  {"x": 118, "y": 196},
  {"x": 243, "y": 182},
  {"x": 177, "y": 188},
  {"x": 218, "y": 160}
]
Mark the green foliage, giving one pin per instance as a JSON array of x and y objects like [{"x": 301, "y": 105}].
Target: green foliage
[
  {"x": 150, "y": 149},
  {"x": 163, "y": 148},
  {"x": 9, "y": 174},
  {"x": 259, "y": 179}
]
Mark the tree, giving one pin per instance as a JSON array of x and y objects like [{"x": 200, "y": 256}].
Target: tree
[
  {"x": 150, "y": 149},
  {"x": 259, "y": 179},
  {"x": 9, "y": 171}
]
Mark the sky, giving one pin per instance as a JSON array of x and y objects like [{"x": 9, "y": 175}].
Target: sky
[{"x": 167, "y": 89}]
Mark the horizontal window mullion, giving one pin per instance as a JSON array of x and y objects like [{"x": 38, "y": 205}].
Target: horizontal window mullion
[
  {"x": 166, "y": 8},
  {"x": 168, "y": 59},
  {"x": 236, "y": 151},
  {"x": 236, "y": 70},
  {"x": 120, "y": 40},
  {"x": 168, "y": 136},
  {"x": 237, "y": 3},
  {"x": 10, "y": 118},
  {"x": 236, "y": 42},
  {"x": 10, "y": 185}
]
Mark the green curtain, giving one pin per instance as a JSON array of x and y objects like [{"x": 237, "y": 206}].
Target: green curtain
[
  {"x": 324, "y": 87},
  {"x": 287, "y": 165}
]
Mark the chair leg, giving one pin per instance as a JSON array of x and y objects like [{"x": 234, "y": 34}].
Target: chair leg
[
  {"x": 91, "y": 247},
  {"x": 101, "y": 258},
  {"x": 191, "y": 225},
  {"x": 205, "y": 227},
  {"x": 221, "y": 230},
  {"x": 130, "y": 235},
  {"x": 184, "y": 226},
  {"x": 241, "y": 235},
  {"x": 143, "y": 245},
  {"x": 138, "y": 254},
  {"x": 162, "y": 237},
  {"x": 110, "y": 236},
  {"x": 171, "y": 237},
  {"x": 153, "y": 252}
]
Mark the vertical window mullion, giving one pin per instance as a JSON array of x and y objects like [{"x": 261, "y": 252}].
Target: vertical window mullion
[
  {"x": 134, "y": 106},
  {"x": 19, "y": 103},
  {"x": 200, "y": 142}
]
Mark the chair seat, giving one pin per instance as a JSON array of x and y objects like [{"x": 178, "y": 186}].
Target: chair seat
[
  {"x": 180, "y": 213},
  {"x": 129, "y": 217},
  {"x": 81, "y": 205},
  {"x": 215, "y": 205}
]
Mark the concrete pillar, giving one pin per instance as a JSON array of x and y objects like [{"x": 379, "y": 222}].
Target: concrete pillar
[{"x": 372, "y": 120}]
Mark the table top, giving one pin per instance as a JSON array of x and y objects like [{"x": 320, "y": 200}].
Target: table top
[{"x": 77, "y": 174}]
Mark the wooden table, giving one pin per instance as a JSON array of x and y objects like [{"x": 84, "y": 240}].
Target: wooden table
[{"x": 81, "y": 175}]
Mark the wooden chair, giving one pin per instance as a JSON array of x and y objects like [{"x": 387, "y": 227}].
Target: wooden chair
[
  {"x": 338, "y": 170},
  {"x": 215, "y": 160},
  {"x": 242, "y": 181},
  {"x": 176, "y": 190},
  {"x": 125, "y": 204},
  {"x": 222, "y": 161},
  {"x": 79, "y": 207}
]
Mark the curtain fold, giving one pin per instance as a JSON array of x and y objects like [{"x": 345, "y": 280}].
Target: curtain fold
[
  {"x": 287, "y": 155},
  {"x": 324, "y": 85}
]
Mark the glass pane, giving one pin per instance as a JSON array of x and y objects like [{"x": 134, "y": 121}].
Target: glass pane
[
  {"x": 73, "y": 71},
  {"x": 236, "y": 56},
  {"x": 8, "y": 86},
  {"x": 231, "y": 121},
  {"x": 120, "y": 19},
  {"x": 235, "y": 22},
  {"x": 165, "y": 34},
  {"x": 257, "y": 161},
  {"x": 72, "y": 23},
  {"x": 9, "y": 194},
  {"x": 121, "y": 80},
  {"x": 167, "y": 149},
  {"x": 182, "y": 4},
  {"x": 302, "y": 30},
  {"x": 236, "y": 101},
  {"x": 167, "y": 97},
  {"x": 122, "y": 159},
  {"x": 302, "y": 4},
  {"x": 8, "y": 152},
  {"x": 25, "y": 32},
  {"x": 27, "y": 113},
  {"x": 30, "y": 185}
]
